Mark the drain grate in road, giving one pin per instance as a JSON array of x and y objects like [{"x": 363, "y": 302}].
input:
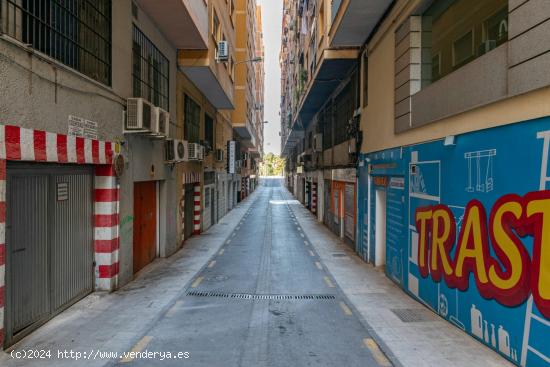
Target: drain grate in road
[
  {"x": 339, "y": 255},
  {"x": 413, "y": 314},
  {"x": 262, "y": 296}
]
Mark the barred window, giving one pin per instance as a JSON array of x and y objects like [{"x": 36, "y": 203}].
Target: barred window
[
  {"x": 192, "y": 120},
  {"x": 76, "y": 33},
  {"x": 208, "y": 132},
  {"x": 343, "y": 112},
  {"x": 150, "y": 71}
]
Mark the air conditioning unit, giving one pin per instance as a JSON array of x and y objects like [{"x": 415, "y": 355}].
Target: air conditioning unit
[
  {"x": 176, "y": 151},
  {"x": 161, "y": 122},
  {"x": 318, "y": 143},
  {"x": 223, "y": 51},
  {"x": 219, "y": 155},
  {"x": 140, "y": 115},
  {"x": 195, "y": 151},
  {"x": 486, "y": 46}
]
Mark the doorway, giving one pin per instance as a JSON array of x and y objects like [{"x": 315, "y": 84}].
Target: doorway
[
  {"x": 380, "y": 231},
  {"x": 145, "y": 224}
]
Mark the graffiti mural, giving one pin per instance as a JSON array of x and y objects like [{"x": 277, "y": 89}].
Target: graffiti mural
[{"x": 476, "y": 241}]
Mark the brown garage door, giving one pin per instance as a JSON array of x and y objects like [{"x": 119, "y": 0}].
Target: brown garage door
[{"x": 145, "y": 223}]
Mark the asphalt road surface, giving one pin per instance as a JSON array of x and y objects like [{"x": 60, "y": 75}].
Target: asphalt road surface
[{"x": 265, "y": 299}]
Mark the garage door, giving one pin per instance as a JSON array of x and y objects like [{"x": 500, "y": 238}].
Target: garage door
[{"x": 49, "y": 243}]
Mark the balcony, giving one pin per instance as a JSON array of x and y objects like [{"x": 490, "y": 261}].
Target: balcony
[
  {"x": 210, "y": 77},
  {"x": 354, "y": 20},
  {"x": 183, "y": 22},
  {"x": 246, "y": 132},
  {"x": 334, "y": 66}
]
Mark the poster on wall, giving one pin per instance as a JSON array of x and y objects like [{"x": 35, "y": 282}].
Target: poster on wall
[
  {"x": 231, "y": 154},
  {"x": 477, "y": 234}
]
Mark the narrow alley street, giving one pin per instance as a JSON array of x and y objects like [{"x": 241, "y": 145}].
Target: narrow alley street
[{"x": 252, "y": 291}]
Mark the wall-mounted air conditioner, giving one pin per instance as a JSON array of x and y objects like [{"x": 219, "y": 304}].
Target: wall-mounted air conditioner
[
  {"x": 139, "y": 115},
  {"x": 223, "y": 51},
  {"x": 195, "y": 151},
  {"x": 161, "y": 122},
  {"x": 219, "y": 155},
  {"x": 176, "y": 151}
]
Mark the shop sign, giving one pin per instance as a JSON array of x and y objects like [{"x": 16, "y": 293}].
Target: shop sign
[{"x": 381, "y": 181}]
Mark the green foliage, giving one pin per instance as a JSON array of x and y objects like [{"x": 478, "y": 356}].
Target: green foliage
[{"x": 272, "y": 165}]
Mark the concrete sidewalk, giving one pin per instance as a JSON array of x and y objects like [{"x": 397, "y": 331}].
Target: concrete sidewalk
[
  {"x": 114, "y": 322},
  {"x": 430, "y": 343}
]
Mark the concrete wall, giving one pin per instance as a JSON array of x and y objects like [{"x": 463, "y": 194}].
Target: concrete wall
[{"x": 41, "y": 93}]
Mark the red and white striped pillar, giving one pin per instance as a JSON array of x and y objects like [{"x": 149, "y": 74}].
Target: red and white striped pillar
[
  {"x": 106, "y": 223},
  {"x": 314, "y": 197},
  {"x": 2, "y": 244},
  {"x": 197, "y": 209}
]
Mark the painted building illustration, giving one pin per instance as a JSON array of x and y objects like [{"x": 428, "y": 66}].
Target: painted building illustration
[{"x": 474, "y": 248}]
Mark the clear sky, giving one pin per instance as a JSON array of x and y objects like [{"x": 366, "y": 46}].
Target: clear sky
[{"x": 272, "y": 13}]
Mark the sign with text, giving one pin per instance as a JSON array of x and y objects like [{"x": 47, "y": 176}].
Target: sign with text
[
  {"x": 231, "y": 153},
  {"x": 77, "y": 126}
]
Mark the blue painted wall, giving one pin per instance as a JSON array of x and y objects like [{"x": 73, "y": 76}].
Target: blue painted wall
[{"x": 484, "y": 166}]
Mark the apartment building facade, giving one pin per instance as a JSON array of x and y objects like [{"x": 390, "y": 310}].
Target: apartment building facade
[
  {"x": 107, "y": 126},
  {"x": 319, "y": 108},
  {"x": 452, "y": 170},
  {"x": 248, "y": 130}
]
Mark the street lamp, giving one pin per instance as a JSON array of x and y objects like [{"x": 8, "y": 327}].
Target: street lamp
[{"x": 256, "y": 59}]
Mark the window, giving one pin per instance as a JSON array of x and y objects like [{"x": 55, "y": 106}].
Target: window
[
  {"x": 150, "y": 71},
  {"x": 343, "y": 112},
  {"x": 326, "y": 125},
  {"x": 436, "y": 67},
  {"x": 461, "y": 31},
  {"x": 365, "y": 80},
  {"x": 463, "y": 49},
  {"x": 192, "y": 120},
  {"x": 208, "y": 132},
  {"x": 76, "y": 33}
]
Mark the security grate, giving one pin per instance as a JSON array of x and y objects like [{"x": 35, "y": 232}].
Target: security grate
[
  {"x": 413, "y": 314},
  {"x": 262, "y": 296}
]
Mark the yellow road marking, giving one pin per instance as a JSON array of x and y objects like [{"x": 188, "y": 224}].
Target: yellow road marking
[
  {"x": 140, "y": 345},
  {"x": 346, "y": 309},
  {"x": 311, "y": 253},
  {"x": 318, "y": 265},
  {"x": 222, "y": 251},
  {"x": 381, "y": 359},
  {"x": 173, "y": 309},
  {"x": 212, "y": 263},
  {"x": 196, "y": 282},
  {"x": 329, "y": 282}
]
